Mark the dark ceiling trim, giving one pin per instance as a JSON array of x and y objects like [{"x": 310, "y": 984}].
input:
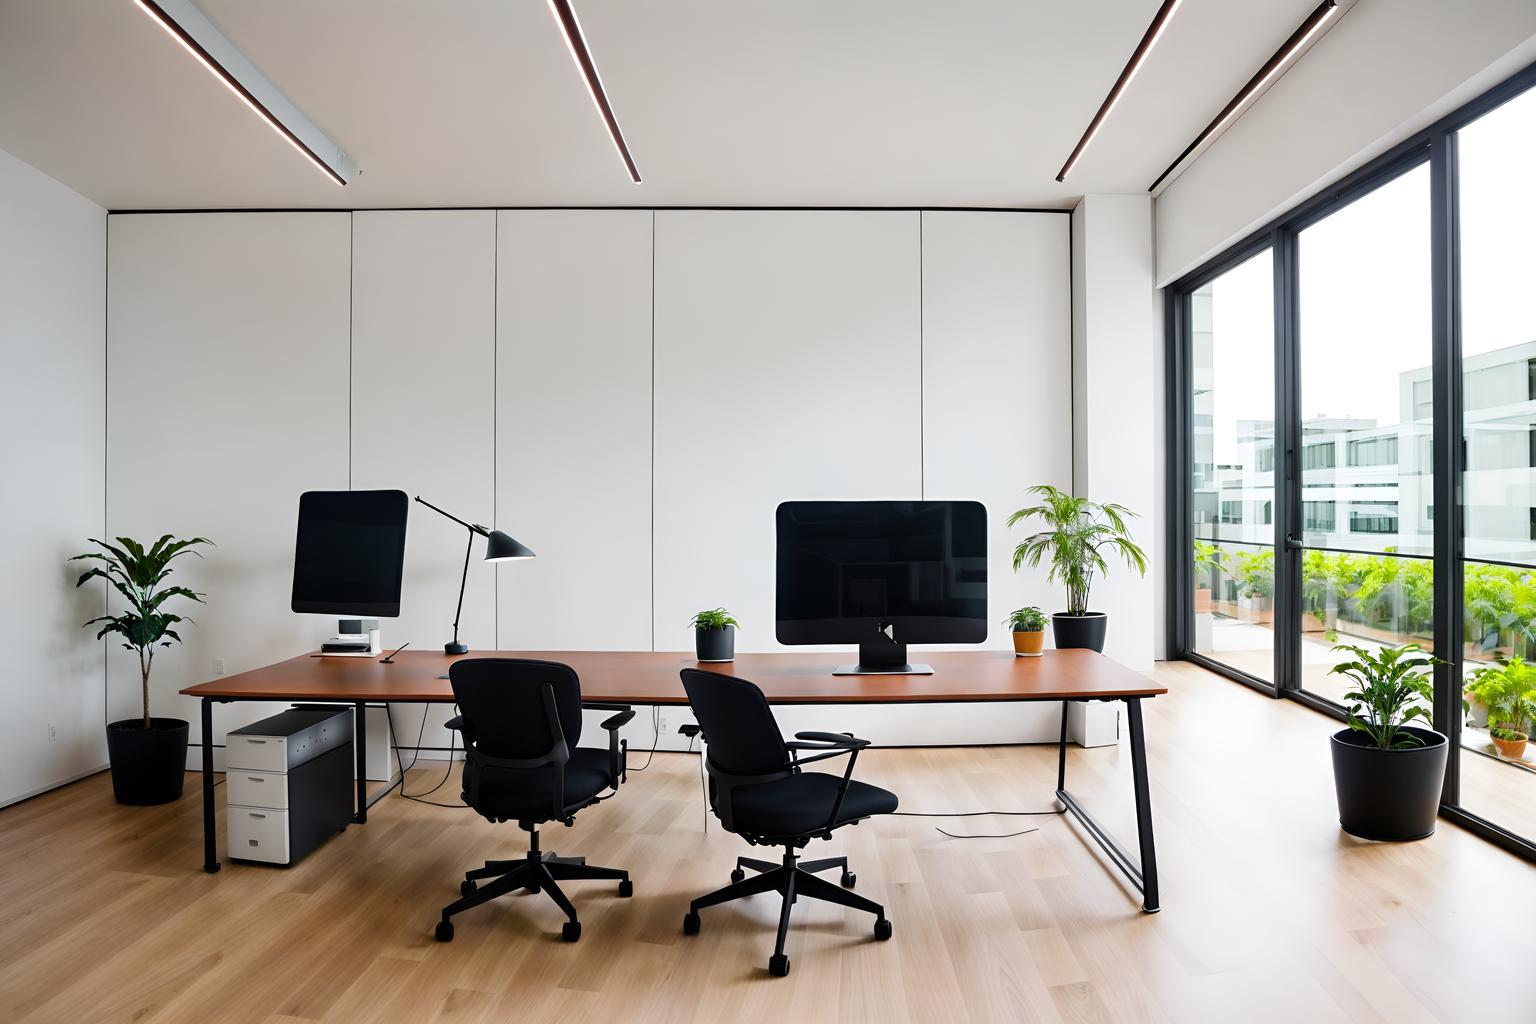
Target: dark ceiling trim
[
  {"x": 1292, "y": 47},
  {"x": 1159, "y": 22},
  {"x": 577, "y": 41}
]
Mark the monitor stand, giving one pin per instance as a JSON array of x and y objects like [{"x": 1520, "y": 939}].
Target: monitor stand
[{"x": 883, "y": 658}]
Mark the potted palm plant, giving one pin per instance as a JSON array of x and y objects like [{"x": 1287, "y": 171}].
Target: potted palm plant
[
  {"x": 1028, "y": 626},
  {"x": 148, "y": 755},
  {"x": 714, "y": 635},
  {"x": 1077, "y": 535},
  {"x": 1386, "y": 773},
  {"x": 1509, "y": 693}
]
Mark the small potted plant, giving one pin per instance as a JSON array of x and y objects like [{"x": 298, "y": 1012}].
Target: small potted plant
[
  {"x": 1207, "y": 569},
  {"x": 1386, "y": 773},
  {"x": 1078, "y": 533},
  {"x": 1028, "y": 625},
  {"x": 1510, "y": 693},
  {"x": 148, "y": 755},
  {"x": 714, "y": 635}
]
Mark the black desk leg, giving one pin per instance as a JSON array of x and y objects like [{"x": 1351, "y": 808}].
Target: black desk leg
[
  {"x": 1144, "y": 875},
  {"x": 1149, "y": 901},
  {"x": 360, "y": 739},
  {"x": 210, "y": 824}
]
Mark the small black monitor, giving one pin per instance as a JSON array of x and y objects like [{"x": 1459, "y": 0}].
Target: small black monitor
[
  {"x": 882, "y": 574},
  {"x": 350, "y": 554}
]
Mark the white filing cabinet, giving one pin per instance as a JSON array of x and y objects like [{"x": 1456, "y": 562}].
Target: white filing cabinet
[{"x": 289, "y": 781}]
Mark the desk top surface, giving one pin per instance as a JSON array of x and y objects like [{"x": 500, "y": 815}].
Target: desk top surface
[{"x": 646, "y": 677}]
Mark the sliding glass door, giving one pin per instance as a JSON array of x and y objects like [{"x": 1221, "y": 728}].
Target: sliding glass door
[
  {"x": 1367, "y": 423},
  {"x": 1353, "y": 418}
]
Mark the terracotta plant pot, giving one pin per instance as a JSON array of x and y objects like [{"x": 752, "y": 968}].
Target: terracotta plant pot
[
  {"x": 1029, "y": 645},
  {"x": 1202, "y": 600},
  {"x": 1514, "y": 750}
]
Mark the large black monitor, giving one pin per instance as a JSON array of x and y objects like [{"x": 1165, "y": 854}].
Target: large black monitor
[
  {"x": 882, "y": 574},
  {"x": 350, "y": 554}
]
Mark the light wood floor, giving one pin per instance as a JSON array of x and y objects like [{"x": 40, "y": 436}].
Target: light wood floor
[{"x": 1270, "y": 913}]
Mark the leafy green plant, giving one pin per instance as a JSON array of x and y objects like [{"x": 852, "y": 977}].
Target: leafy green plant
[
  {"x": 1255, "y": 573},
  {"x": 137, "y": 575},
  {"x": 1208, "y": 559},
  {"x": 1509, "y": 691},
  {"x": 1392, "y": 688},
  {"x": 1078, "y": 533},
  {"x": 715, "y": 618},
  {"x": 1025, "y": 620},
  {"x": 1499, "y": 732}
]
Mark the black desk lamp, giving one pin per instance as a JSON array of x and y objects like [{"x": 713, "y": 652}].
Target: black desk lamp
[{"x": 498, "y": 548}]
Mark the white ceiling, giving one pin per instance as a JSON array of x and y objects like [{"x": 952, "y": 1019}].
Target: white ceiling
[{"x": 723, "y": 102}]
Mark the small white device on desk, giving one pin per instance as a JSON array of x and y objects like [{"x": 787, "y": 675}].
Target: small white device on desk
[
  {"x": 290, "y": 783},
  {"x": 355, "y": 638}
]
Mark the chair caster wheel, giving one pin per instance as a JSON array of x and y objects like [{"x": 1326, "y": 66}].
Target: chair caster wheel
[
  {"x": 626, "y": 888},
  {"x": 882, "y": 929},
  {"x": 778, "y": 966},
  {"x": 738, "y": 875},
  {"x": 444, "y": 931},
  {"x": 467, "y": 886},
  {"x": 690, "y": 923},
  {"x": 530, "y": 888},
  {"x": 570, "y": 931},
  {"x": 849, "y": 879}
]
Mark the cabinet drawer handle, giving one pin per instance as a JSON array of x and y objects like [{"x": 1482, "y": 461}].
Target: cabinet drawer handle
[
  {"x": 255, "y": 779},
  {"x": 261, "y": 816}
]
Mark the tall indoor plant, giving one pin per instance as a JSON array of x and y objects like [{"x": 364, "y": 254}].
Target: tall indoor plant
[
  {"x": 1077, "y": 534},
  {"x": 1387, "y": 773},
  {"x": 148, "y": 755}
]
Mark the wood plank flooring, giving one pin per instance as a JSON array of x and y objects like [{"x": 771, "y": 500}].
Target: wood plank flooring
[{"x": 1270, "y": 912}]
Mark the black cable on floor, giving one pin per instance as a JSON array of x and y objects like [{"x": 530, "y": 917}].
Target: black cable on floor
[
  {"x": 655, "y": 739},
  {"x": 979, "y": 814},
  {"x": 1003, "y": 835},
  {"x": 416, "y": 756}
]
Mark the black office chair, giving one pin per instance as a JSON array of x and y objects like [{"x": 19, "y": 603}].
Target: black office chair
[
  {"x": 758, "y": 791},
  {"x": 521, "y": 720}
]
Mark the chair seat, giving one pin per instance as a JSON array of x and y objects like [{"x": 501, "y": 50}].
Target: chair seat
[
  {"x": 507, "y": 795},
  {"x": 802, "y": 803}
]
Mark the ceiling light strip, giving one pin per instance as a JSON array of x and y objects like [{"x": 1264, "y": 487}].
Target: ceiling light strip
[
  {"x": 1272, "y": 69},
  {"x": 576, "y": 42},
  {"x": 1149, "y": 40},
  {"x": 185, "y": 23}
]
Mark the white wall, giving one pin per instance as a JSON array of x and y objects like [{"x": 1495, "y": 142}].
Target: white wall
[
  {"x": 423, "y": 387},
  {"x": 52, "y": 367},
  {"x": 1383, "y": 72},
  {"x": 507, "y": 366},
  {"x": 227, "y": 398},
  {"x": 1117, "y": 360}
]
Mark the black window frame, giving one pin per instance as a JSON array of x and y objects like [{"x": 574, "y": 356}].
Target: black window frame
[{"x": 1434, "y": 146}]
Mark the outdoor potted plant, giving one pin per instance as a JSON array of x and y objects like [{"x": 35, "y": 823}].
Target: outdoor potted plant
[
  {"x": 148, "y": 755},
  {"x": 1078, "y": 533},
  {"x": 1028, "y": 625},
  {"x": 1510, "y": 694},
  {"x": 1255, "y": 576},
  {"x": 714, "y": 635},
  {"x": 1207, "y": 568},
  {"x": 1387, "y": 773}
]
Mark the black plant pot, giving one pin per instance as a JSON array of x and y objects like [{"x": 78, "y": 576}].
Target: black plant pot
[
  {"x": 1085, "y": 630},
  {"x": 148, "y": 765},
  {"x": 1388, "y": 794},
  {"x": 715, "y": 644}
]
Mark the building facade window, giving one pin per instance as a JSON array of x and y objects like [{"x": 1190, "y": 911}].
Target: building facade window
[
  {"x": 1373, "y": 451},
  {"x": 1317, "y": 456},
  {"x": 1318, "y": 516}
]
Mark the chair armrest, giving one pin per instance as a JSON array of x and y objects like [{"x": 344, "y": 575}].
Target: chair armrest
[
  {"x": 619, "y": 720},
  {"x": 456, "y": 723},
  {"x": 827, "y": 741}
]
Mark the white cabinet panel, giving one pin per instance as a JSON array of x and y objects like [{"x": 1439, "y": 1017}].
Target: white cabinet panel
[
  {"x": 227, "y": 398},
  {"x": 997, "y": 376},
  {"x": 787, "y": 367},
  {"x": 573, "y": 427}
]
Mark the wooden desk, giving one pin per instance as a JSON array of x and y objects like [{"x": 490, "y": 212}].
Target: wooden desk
[{"x": 645, "y": 677}]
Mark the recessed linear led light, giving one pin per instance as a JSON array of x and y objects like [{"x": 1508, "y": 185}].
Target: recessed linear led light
[
  {"x": 576, "y": 42},
  {"x": 190, "y": 27},
  {"x": 1287, "y": 55},
  {"x": 1154, "y": 32}
]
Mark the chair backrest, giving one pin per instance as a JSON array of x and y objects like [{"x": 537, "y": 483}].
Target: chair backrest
[
  {"x": 505, "y": 705},
  {"x": 502, "y": 701},
  {"x": 738, "y": 725}
]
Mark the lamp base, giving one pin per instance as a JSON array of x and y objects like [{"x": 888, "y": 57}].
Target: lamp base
[{"x": 455, "y": 648}]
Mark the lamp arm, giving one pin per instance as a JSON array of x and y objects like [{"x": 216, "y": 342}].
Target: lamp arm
[
  {"x": 463, "y": 580},
  {"x": 468, "y": 526}
]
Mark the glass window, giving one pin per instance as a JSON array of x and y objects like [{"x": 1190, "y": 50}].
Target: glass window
[
  {"x": 1367, "y": 394},
  {"x": 1231, "y": 324},
  {"x": 1497, "y": 164}
]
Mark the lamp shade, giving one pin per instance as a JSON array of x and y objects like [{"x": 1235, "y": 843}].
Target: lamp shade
[{"x": 501, "y": 548}]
